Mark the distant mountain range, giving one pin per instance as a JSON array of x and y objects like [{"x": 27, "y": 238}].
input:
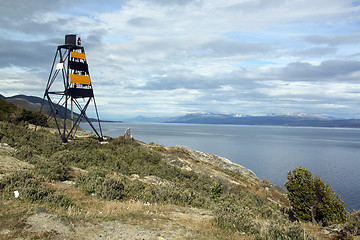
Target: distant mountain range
[{"x": 294, "y": 119}]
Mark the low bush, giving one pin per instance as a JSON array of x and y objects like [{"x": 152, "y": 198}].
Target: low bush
[
  {"x": 112, "y": 189},
  {"x": 353, "y": 224},
  {"x": 32, "y": 117},
  {"x": 91, "y": 182},
  {"x": 121, "y": 187},
  {"x": 28, "y": 142},
  {"x": 245, "y": 215},
  {"x": 53, "y": 170},
  {"x": 232, "y": 215}
]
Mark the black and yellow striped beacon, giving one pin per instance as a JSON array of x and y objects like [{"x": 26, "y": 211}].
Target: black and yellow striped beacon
[{"x": 69, "y": 83}]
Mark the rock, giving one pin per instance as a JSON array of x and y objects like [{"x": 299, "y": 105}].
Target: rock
[
  {"x": 7, "y": 148},
  {"x": 128, "y": 134},
  {"x": 217, "y": 160},
  {"x": 135, "y": 176},
  {"x": 5, "y": 231},
  {"x": 44, "y": 221},
  {"x": 155, "y": 180}
]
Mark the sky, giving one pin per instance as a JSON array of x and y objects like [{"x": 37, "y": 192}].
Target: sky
[{"x": 172, "y": 57}]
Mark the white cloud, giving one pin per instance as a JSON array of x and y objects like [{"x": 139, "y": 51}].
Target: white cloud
[{"x": 161, "y": 57}]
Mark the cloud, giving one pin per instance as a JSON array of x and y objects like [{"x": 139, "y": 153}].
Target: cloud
[
  {"x": 259, "y": 56},
  {"x": 31, "y": 18},
  {"x": 334, "y": 40},
  {"x": 330, "y": 70},
  {"x": 16, "y": 80},
  {"x": 220, "y": 48},
  {"x": 172, "y": 2},
  {"x": 26, "y": 54},
  {"x": 315, "y": 52},
  {"x": 142, "y": 22}
]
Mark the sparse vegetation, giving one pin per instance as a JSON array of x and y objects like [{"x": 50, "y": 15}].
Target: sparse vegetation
[
  {"x": 353, "y": 223},
  {"x": 31, "y": 188}
]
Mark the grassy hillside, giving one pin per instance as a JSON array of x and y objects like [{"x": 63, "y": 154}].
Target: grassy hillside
[{"x": 125, "y": 189}]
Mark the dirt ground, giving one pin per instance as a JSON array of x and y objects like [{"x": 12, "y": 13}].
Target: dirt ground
[{"x": 174, "y": 228}]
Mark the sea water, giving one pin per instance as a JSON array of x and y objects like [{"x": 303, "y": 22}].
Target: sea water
[{"x": 269, "y": 151}]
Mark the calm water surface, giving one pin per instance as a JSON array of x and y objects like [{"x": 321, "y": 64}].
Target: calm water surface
[{"x": 331, "y": 153}]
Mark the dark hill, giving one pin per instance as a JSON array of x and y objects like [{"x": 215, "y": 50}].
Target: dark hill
[{"x": 34, "y": 104}]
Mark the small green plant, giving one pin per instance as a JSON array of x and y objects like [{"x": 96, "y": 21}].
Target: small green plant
[{"x": 216, "y": 190}]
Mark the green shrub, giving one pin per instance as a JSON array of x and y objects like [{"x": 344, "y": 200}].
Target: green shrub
[
  {"x": 91, "y": 182},
  {"x": 216, "y": 190},
  {"x": 244, "y": 215},
  {"x": 312, "y": 199},
  {"x": 112, "y": 189},
  {"x": 32, "y": 117},
  {"x": 230, "y": 214},
  {"x": 53, "y": 170},
  {"x": 330, "y": 208},
  {"x": 28, "y": 142},
  {"x": 301, "y": 189},
  {"x": 119, "y": 188},
  {"x": 60, "y": 200}
]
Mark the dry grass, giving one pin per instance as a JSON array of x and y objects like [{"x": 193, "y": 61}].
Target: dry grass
[
  {"x": 92, "y": 209},
  {"x": 196, "y": 223},
  {"x": 13, "y": 216}
]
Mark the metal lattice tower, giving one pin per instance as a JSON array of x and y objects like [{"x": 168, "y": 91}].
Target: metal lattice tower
[{"x": 68, "y": 83}]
